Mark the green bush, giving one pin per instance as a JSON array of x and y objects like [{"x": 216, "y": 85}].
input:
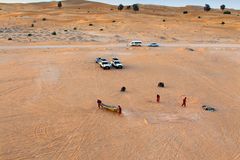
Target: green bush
[{"x": 226, "y": 12}]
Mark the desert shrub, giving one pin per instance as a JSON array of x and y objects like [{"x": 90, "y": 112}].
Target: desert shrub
[
  {"x": 59, "y": 4},
  {"x": 135, "y": 7},
  {"x": 185, "y": 12},
  {"x": 123, "y": 89},
  {"x": 101, "y": 29},
  {"x": 54, "y": 33},
  {"x": 222, "y": 7},
  {"x": 120, "y": 7},
  {"x": 29, "y": 35},
  {"x": 199, "y": 17},
  {"x": 128, "y": 7},
  {"x": 90, "y": 24},
  {"x": 207, "y": 7},
  {"x": 226, "y": 12},
  {"x": 164, "y": 20},
  {"x": 223, "y": 23},
  {"x": 75, "y": 28},
  {"x": 9, "y": 39},
  {"x": 32, "y": 25},
  {"x": 44, "y": 19},
  {"x": 65, "y": 30},
  {"x": 113, "y": 21},
  {"x": 161, "y": 84}
]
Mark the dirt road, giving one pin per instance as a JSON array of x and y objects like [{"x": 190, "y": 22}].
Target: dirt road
[{"x": 174, "y": 45}]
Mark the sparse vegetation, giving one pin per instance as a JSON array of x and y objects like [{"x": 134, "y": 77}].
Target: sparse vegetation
[
  {"x": 164, "y": 20},
  {"x": 59, "y": 4},
  {"x": 227, "y": 12},
  {"x": 32, "y": 25},
  {"x": 185, "y": 12},
  {"x": 135, "y": 7},
  {"x": 207, "y": 7},
  {"x": 161, "y": 85},
  {"x": 75, "y": 28},
  {"x": 120, "y": 7},
  {"x": 44, "y": 19},
  {"x": 223, "y": 23},
  {"x": 54, "y": 33},
  {"x": 222, "y": 7},
  {"x": 9, "y": 39},
  {"x": 101, "y": 29},
  {"x": 113, "y": 21},
  {"x": 29, "y": 35},
  {"x": 90, "y": 24},
  {"x": 199, "y": 17},
  {"x": 123, "y": 89},
  {"x": 128, "y": 7}
]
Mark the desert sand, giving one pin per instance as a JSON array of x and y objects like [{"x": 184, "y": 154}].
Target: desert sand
[{"x": 48, "y": 96}]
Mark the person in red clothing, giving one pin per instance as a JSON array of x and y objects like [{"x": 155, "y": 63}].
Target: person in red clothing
[
  {"x": 184, "y": 102},
  {"x": 119, "y": 109},
  {"x": 99, "y": 102},
  {"x": 158, "y": 98}
]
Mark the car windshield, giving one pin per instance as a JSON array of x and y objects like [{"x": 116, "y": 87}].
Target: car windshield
[
  {"x": 115, "y": 59},
  {"x": 117, "y": 62},
  {"x": 104, "y": 62}
]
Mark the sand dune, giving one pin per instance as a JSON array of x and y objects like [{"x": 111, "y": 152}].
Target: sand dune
[{"x": 48, "y": 94}]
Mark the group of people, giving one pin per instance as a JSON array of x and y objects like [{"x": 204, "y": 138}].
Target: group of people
[
  {"x": 184, "y": 103},
  {"x": 119, "y": 109}
]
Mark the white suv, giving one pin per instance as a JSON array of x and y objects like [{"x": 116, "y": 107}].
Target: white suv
[
  {"x": 116, "y": 63},
  {"x": 105, "y": 65}
]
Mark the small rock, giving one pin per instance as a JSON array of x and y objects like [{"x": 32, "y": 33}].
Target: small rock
[{"x": 190, "y": 49}]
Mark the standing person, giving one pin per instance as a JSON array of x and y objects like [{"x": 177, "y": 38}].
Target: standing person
[
  {"x": 184, "y": 102},
  {"x": 99, "y": 102},
  {"x": 119, "y": 109},
  {"x": 158, "y": 98}
]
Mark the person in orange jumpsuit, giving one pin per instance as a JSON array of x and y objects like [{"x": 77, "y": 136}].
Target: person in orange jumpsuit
[{"x": 184, "y": 102}]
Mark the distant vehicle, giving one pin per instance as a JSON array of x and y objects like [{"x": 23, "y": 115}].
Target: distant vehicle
[
  {"x": 136, "y": 43},
  {"x": 116, "y": 63},
  {"x": 153, "y": 44},
  {"x": 105, "y": 65},
  {"x": 99, "y": 60}
]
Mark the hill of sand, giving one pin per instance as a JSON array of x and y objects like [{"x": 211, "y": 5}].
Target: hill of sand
[{"x": 48, "y": 95}]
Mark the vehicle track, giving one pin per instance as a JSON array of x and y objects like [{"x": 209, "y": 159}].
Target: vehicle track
[{"x": 171, "y": 45}]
